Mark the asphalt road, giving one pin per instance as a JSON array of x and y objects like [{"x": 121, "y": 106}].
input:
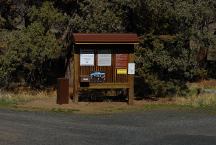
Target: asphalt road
[{"x": 141, "y": 128}]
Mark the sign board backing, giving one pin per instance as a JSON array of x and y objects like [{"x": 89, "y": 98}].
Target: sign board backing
[{"x": 121, "y": 60}]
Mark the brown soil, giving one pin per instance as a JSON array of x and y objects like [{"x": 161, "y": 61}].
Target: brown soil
[{"x": 89, "y": 107}]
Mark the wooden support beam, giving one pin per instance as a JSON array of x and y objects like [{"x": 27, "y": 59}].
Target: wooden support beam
[
  {"x": 76, "y": 78},
  {"x": 71, "y": 81},
  {"x": 131, "y": 82},
  {"x": 107, "y": 86}
]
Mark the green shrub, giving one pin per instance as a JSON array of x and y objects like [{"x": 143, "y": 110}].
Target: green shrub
[{"x": 166, "y": 66}]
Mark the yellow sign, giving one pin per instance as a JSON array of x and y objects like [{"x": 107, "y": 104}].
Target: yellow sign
[{"x": 121, "y": 71}]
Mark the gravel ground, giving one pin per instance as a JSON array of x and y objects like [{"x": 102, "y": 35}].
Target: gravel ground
[{"x": 159, "y": 127}]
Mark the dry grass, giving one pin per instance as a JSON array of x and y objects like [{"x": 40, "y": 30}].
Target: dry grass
[
  {"x": 47, "y": 101},
  {"x": 203, "y": 84},
  {"x": 197, "y": 100},
  {"x": 22, "y": 97}
]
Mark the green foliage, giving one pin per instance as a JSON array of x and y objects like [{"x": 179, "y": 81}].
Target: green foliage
[
  {"x": 2, "y": 21},
  {"x": 49, "y": 16},
  {"x": 97, "y": 16},
  {"x": 166, "y": 60},
  {"x": 166, "y": 65},
  {"x": 173, "y": 17},
  {"x": 27, "y": 58},
  {"x": 27, "y": 52}
]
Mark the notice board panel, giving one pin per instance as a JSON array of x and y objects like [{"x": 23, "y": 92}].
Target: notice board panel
[
  {"x": 104, "y": 57},
  {"x": 121, "y": 61},
  {"x": 86, "y": 57}
]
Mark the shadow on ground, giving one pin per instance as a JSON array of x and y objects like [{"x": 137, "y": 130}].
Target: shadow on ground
[{"x": 103, "y": 96}]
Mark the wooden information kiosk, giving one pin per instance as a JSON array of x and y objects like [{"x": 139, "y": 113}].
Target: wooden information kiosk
[{"x": 102, "y": 61}]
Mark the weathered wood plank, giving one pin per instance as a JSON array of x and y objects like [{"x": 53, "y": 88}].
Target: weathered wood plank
[
  {"x": 76, "y": 77},
  {"x": 107, "y": 86},
  {"x": 131, "y": 82},
  {"x": 71, "y": 81}
]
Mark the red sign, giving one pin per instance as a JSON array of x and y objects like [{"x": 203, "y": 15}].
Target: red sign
[{"x": 121, "y": 61}]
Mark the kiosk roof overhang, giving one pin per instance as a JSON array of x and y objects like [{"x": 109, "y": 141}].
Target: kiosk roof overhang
[{"x": 105, "y": 38}]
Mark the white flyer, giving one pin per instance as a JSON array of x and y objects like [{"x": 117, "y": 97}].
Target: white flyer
[
  {"x": 87, "y": 57},
  {"x": 104, "y": 58},
  {"x": 131, "y": 68}
]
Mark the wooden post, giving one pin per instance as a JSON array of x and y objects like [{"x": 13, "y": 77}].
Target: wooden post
[
  {"x": 131, "y": 82},
  {"x": 71, "y": 81},
  {"x": 131, "y": 92},
  {"x": 76, "y": 77},
  {"x": 63, "y": 91}
]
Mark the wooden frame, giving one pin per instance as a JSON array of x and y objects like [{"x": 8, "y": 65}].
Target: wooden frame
[{"x": 116, "y": 82}]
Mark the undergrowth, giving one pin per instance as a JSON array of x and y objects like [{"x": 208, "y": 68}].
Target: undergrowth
[
  {"x": 197, "y": 97},
  {"x": 12, "y": 98}
]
